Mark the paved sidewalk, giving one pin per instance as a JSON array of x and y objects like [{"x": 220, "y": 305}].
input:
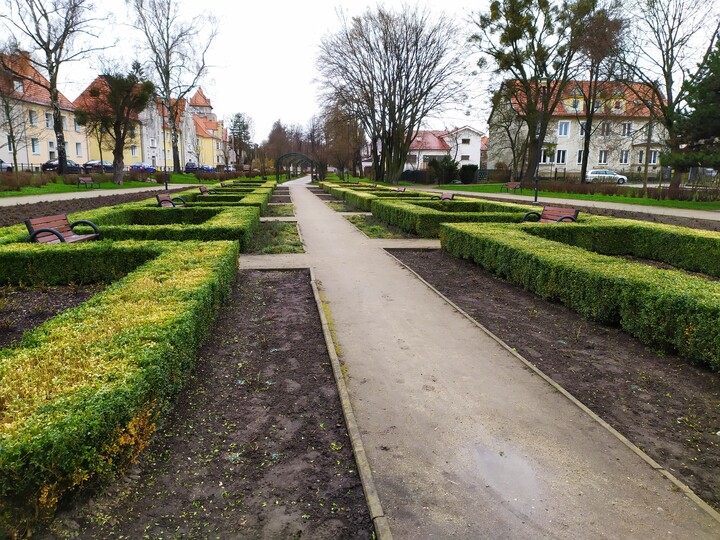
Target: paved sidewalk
[
  {"x": 89, "y": 194},
  {"x": 463, "y": 439}
]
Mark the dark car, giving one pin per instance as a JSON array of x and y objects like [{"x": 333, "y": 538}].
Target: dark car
[
  {"x": 95, "y": 165},
  {"x": 5, "y": 167},
  {"x": 144, "y": 167},
  {"x": 191, "y": 167},
  {"x": 207, "y": 168},
  {"x": 70, "y": 166}
]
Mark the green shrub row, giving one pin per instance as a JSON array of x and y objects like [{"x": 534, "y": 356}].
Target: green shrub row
[
  {"x": 424, "y": 217},
  {"x": 82, "y": 392},
  {"x": 694, "y": 250},
  {"x": 664, "y": 309}
]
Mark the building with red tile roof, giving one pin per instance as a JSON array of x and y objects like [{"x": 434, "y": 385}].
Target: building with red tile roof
[
  {"x": 37, "y": 142},
  {"x": 624, "y": 136}
]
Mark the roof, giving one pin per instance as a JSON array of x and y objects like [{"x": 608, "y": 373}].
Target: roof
[
  {"x": 204, "y": 128},
  {"x": 430, "y": 140},
  {"x": 34, "y": 83},
  {"x": 199, "y": 99},
  {"x": 163, "y": 112},
  {"x": 617, "y": 99}
]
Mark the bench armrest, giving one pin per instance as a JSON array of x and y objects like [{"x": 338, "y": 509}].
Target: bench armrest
[
  {"x": 531, "y": 213},
  {"x": 178, "y": 199},
  {"x": 46, "y": 230},
  {"x": 86, "y": 222},
  {"x": 567, "y": 218}
]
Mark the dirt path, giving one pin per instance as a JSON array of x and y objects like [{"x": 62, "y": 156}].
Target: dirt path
[
  {"x": 256, "y": 446},
  {"x": 670, "y": 409}
]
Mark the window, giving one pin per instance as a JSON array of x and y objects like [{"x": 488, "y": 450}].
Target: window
[
  {"x": 51, "y": 149},
  {"x": 465, "y": 141},
  {"x": 131, "y": 132},
  {"x": 627, "y": 129},
  {"x": 563, "y": 128},
  {"x": 580, "y": 156},
  {"x": 465, "y": 157},
  {"x": 133, "y": 150},
  {"x": 9, "y": 143},
  {"x": 32, "y": 117},
  {"x": 152, "y": 142},
  {"x": 547, "y": 155},
  {"x": 602, "y": 159},
  {"x": 560, "y": 157},
  {"x": 35, "y": 145},
  {"x": 412, "y": 159},
  {"x": 618, "y": 105},
  {"x": 18, "y": 86},
  {"x": 63, "y": 121},
  {"x": 605, "y": 129},
  {"x": 654, "y": 157},
  {"x": 582, "y": 129},
  {"x": 76, "y": 125},
  {"x": 641, "y": 156},
  {"x": 78, "y": 149},
  {"x": 575, "y": 103},
  {"x": 624, "y": 157},
  {"x": 48, "y": 120}
]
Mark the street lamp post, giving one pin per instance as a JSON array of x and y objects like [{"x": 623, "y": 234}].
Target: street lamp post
[{"x": 543, "y": 86}]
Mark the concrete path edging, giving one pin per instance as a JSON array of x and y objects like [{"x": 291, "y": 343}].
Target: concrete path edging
[{"x": 380, "y": 521}]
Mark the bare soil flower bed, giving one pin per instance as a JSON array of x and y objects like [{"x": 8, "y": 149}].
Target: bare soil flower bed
[
  {"x": 667, "y": 407},
  {"x": 256, "y": 445}
]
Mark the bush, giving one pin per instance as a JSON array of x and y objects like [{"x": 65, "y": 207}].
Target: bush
[{"x": 467, "y": 173}]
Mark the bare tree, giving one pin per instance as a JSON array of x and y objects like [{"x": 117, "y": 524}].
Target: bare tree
[
  {"x": 177, "y": 50},
  {"x": 51, "y": 30},
  {"x": 390, "y": 70},
  {"x": 670, "y": 48},
  {"x": 533, "y": 43},
  {"x": 12, "y": 119},
  {"x": 600, "y": 46},
  {"x": 510, "y": 134}
]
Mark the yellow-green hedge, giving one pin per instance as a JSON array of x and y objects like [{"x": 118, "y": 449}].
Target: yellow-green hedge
[{"x": 82, "y": 392}]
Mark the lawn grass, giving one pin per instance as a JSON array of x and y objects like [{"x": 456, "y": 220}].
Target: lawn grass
[
  {"x": 340, "y": 207},
  {"x": 375, "y": 228},
  {"x": 275, "y": 237},
  {"x": 280, "y": 210},
  {"x": 495, "y": 188},
  {"x": 55, "y": 187}
]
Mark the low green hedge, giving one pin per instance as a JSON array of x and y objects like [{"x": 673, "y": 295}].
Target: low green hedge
[
  {"x": 664, "y": 309},
  {"x": 424, "y": 217},
  {"x": 694, "y": 250},
  {"x": 82, "y": 393},
  {"x": 363, "y": 199}
]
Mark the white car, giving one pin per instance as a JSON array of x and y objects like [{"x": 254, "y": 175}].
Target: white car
[
  {"x": 5, "y": 167},
  {"x": 604, "y": 175}
]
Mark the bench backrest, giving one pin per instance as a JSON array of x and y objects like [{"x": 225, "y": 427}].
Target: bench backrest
[
  {"x": 59, "y": 222},
  {"x": 553, "y": 213},
  {"x": 85, "y": 180},
  {"x": 513, "y": 185},
  {"x": 447, "y": 196},
  {"x": 163, "y": 199},
  {"x": 203, "y": 190}
]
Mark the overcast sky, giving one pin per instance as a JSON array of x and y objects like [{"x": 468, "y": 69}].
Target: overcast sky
[{"x": 263, "y": 60}]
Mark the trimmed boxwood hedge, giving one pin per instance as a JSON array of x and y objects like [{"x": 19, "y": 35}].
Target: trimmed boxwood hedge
[
  {"x": 695, "y": 250},
  {"x": 665, "y": 309},
  {"x": 424, "y": 217},
  {"x": 82, "y": 392}
]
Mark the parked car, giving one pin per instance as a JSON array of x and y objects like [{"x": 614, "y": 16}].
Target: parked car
[
  {"x": 5, "y": 167},
  {"x": 144, "y": 167},
  {"x": 605, "y": 175},
  {"x": 207, "y": 168},
  {"x": 95, "y": 165},
  {"x": 70, "y": 166},
  {"x": 191, "y": 167}
]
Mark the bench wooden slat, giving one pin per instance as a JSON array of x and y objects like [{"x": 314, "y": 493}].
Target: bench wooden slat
[
  {"x": 60, "y": 224},
  {"x": 554, "y": 214}
]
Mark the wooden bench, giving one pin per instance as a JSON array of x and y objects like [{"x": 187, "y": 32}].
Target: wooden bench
[
  {"x": 401, "y": 189},
  {"x": 57, "y": 229},
  {"x": 511, "y": 185},
  {"x": 554, "y": 214},
  {"x": 224, "y": 184},
  {"x": 87, "y": 181},
  {"x": 164, "y": 199},
  {"x": 205, "y": 191},
  {"x": 444, "y": 197}
]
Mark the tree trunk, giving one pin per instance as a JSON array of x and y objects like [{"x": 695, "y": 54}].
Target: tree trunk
[{"x": 59, "y": 136}]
